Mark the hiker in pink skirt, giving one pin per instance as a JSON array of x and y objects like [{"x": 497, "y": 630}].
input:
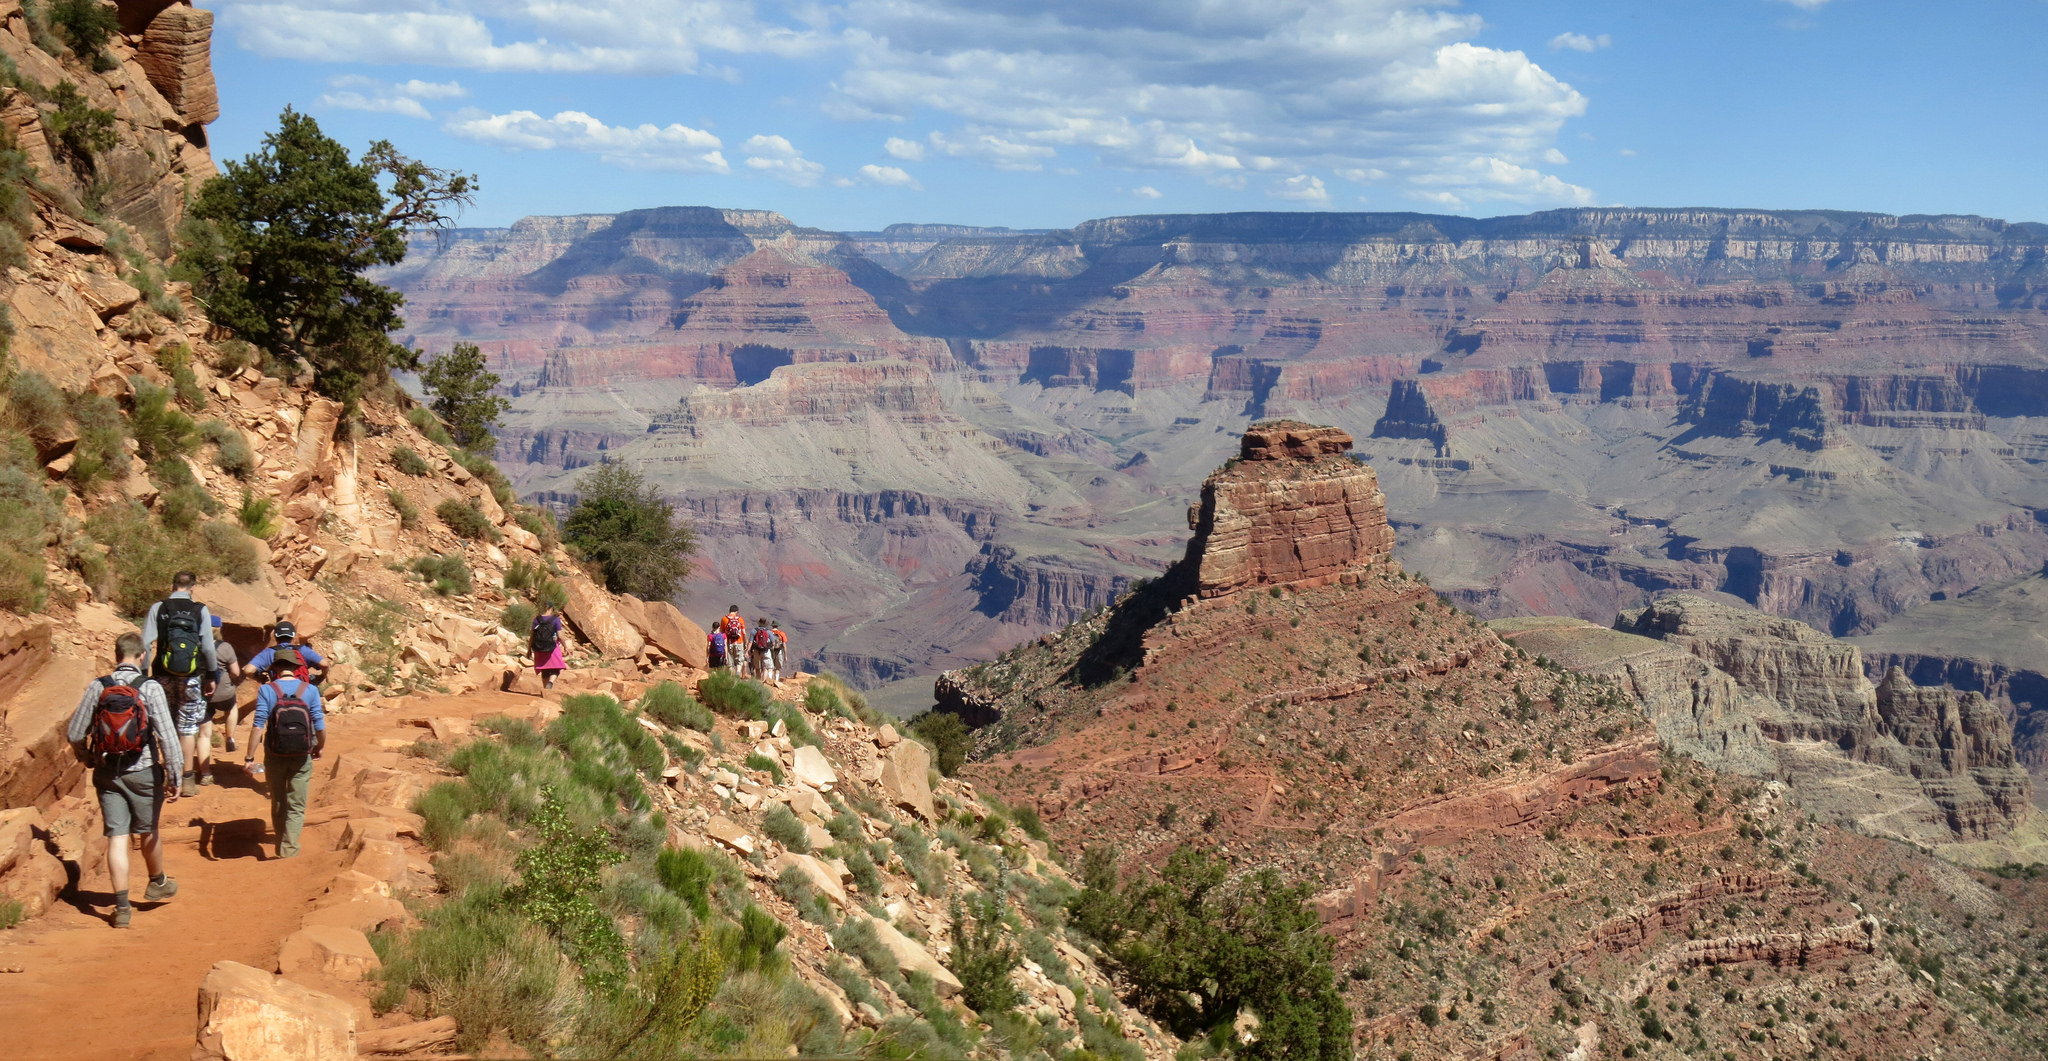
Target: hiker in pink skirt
[{"x": 546, "y": 645}]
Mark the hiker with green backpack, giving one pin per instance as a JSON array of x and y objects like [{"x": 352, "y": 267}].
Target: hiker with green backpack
[
  {"x": 123, "y": 729},
  {"x": 177, "y": 640},
  {"x": 291, "y": 729}
]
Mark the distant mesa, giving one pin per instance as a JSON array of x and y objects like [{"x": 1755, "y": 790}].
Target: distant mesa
[{"x": 1292, "y": 510}]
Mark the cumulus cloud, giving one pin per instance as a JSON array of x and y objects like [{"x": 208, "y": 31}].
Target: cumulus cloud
[
  {"x": 776, "y": 157},
  {"x": 1579, "y": 42},
  {"x": 1280, "y": 87},
  {"x": 889, "y": 177},
  {"x": 1145, "y": 191},
  {"x": 1301, "y": 188},
  {"x": 357, "y": 93},
  {"x": 642, "y": 147},
  {"x": 1556, "y": 157}
]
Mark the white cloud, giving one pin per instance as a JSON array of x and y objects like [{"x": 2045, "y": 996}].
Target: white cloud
[
  {"x": 1627, "y": 152},
  {"x": 1579, "y": 42},
  {"x": 1483, "y": 179},
  {"x": 994, "y": 150},
  {"x": 1556, "y": 157},
  {"x": 889, "y": 177},
  {"x": 1302, "y": 188},
  {"x": 1146, "y": 191},
  {"x": 641, "y": 147},
  {"x": 357, "y": 93},
  {"x": 907, "y": 150},
  {"x": 776, "y": 157},
  {"x": 1215, "y": 89}
]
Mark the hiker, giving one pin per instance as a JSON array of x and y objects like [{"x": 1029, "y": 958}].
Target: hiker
[
  {"x": 779, "y": 652},
  {"x": 177, "y": 640},
  {"x": 715, "y": 642},
  {"x": 123, "y": 727},
  {"x": 545, "y": 642},
  {"x": 757, "y": 651},
  {"x": 311, "y": 666},
  {"x": 735, "y": 626},
  {"x": 292, "y": 729},
  {"x": 226, "y": 682}
]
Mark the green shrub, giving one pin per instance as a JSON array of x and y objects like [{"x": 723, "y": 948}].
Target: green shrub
[
  {"x": 795, "y": 885},
  {"x": 521, "y": 576},
  {"x": 981, "y": 958},
  {"x": 234, "y": 356},
  {"x": 79, "y": 132},
  {"x": 559, "y": 877},
  {"x": 689, "y": 874},
  {"x": 101, "y": 453},
  {"x": 865, "y": 875},
  {"x": 144, "y": 554},
  {"x": 915, "y": 851},
  {"x": 821, "y": 699},
  {"x": 735, "y": 697},
  {"x": 11, "y": 913},
  {"x": 1026, "y": 816},
  {"x": 234, "y": 552},
  {"x": 231, "y": 451},
  {"x": 23, "y": 580},
  {"x": 481, "y": 466},
  {"x": 445, "y": 810},
  {"x": 424, "y": 420},
  {"x": 517, "y": 618},
  {"x": 408, "y": 513},
  {"x": 541, "y": 524},
  {"x": 857, "y": 937},
  {"x": 784, "y": 828},
  {"x": 672, "y": 705},
  {"x": 163, "y": 435},
  {"x": 551, "y": 592},
  {"x": 176, "y": 361},
  {"x": 86, "y": 25},
  {"x": 182, "y": 507},
  {"x": 628, "y": 529},
  {"x": 448, "y": 573},
  {"x": 948, "y": 737},
  {"x": 406, "y": 460},
  {"x": 35, "y": 407},
  {"x": 257, "y": 515},
  {"x": 478, "y": 960},
  {"x": 465, "y": 519},
  {"x": 757, "y": 761}
]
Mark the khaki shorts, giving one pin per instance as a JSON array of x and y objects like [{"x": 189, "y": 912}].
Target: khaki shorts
[{"x": 130, "y": 802}]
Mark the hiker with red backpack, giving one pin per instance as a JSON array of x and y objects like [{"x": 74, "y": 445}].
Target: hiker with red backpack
[
  {"x": 545, "y": 644},
  {"x": 291, "y": 729},
  {"x": 758, "y": 651},
  {"x": 311, "y": 666},
  {"x": 124, "y": 729},
  {"x": 177, "y": 640},
  {"x": 734, "y": 626}
]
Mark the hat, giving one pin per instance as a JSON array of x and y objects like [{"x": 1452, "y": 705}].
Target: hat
[
  {"x": 285, "y": 632},
  {"x": 216, "y": 622}
]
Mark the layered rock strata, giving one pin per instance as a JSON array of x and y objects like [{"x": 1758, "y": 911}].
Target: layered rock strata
[{"x": 1293, "y": 509}]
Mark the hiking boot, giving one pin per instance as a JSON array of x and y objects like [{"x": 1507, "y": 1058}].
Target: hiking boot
[
  {"x": 157, "y": 892},
  {"x": 231, "y": 742},
  {"x": 123, "y": 915},
  {"x": 206, "y": 778},
  {"x": 191, "y": 781}
]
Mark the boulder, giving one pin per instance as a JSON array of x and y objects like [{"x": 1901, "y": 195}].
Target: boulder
[
  {"x": 727, "y": 832},
  {"x": 327, "y": 950},
  {"x": 911, "y": 957},
  {"x": 18, "y": 828},
  {"x": 887, "y": 737},
  {"x": 251, "y": 605},
  {"x": 906, "y": 780},
  {"x": 809, "y": 766},
  {"x": 419, "y": 1037},
  {"x": 809, "y": 805},
  {"x": 523, "y": 681},
  {"x": 311, "y": 612},
  {"x": 176, "y": 53},
  {"x": 668, "y": 630},
  {"x": 246, "y": 1014},
  {"x": 590, "y": 610},
  {"x": 363, "y": 913},
  {"x": 822, "y": 878}
]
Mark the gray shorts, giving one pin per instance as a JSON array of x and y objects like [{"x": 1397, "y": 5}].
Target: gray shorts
[
  {"x": 130, "y": 802},
  {"x": 189, "y": 710}
]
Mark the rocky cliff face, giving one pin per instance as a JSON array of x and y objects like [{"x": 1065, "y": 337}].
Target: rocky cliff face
[
  {"x": 1955, "y": 745},
  {"x": 1292, "y": 510},
  {"x": 1576, "y": 410}
]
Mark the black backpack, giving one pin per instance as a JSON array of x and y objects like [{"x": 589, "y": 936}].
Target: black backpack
[
  {"x": 291, "y": 723},
  {"x": 120, "y": 723},
  {"x": 178, "y": 651},
  {"x": 546, "y": 630}
]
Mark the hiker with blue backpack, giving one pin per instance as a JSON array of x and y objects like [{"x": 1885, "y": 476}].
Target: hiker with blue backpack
[
  {"x": 124, "y": 730},
  {"x": 291, "y": 729},
  {"x": 177, "y": 640}
]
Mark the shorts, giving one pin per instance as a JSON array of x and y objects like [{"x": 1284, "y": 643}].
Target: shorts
[
  {"x": 187, "y": 711},
  {"x": 130, "y": 802}
]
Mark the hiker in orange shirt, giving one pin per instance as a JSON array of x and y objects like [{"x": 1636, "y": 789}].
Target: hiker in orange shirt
[{"x": 778, "y": 653}]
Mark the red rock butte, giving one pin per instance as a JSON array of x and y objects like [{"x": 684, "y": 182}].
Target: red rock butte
[{"x": 1293, "y": 509}]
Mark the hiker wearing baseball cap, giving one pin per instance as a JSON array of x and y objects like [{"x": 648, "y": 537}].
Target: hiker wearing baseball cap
[{"x": 309, "y": 665}]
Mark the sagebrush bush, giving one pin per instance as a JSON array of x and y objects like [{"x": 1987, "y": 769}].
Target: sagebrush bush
[
  {"x": 464, "y": 519},
  {"x": 423, "y": 419},
  {"x": 234, "y": 355},
  {"x": 671, "y": 704},
  {"x": 733, "y": 696},
  {"x": 522, "y": 575},
  {"x": 23, "y": 580},
  {"x": 180, "y": 508},
  {"x": 541, "y": 524},
  {"x": 408, "y": 513},
  {"x": 233, "y": 550},
  {"x": 144, "y": 555},
  {"x": 163, "y": 434},
  {"x": 35, "y": 407},
  {"x": 783, "y": 827},
  {"x": 517, "y": 618},
  {"x": 448, "y": 573},
  {"x": 231, "y": 451},
  {"x": 757, "y": 761},
  {"x": 101, "y": 453},
  {"x": 257, "y": 515},
  {"x": 411, "y": 463},
  {"x": 176, "y": 361}
]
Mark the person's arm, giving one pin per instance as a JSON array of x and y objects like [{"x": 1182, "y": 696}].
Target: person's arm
[
  {"x": 319, "y": 713},
  {"x": 169, "y": 749},
  {"x": 81, "y": 720},
  {"x": 206, "y": 644},
  {"x": 149, "y": 636},
  {"x": 265, "y": 700}
]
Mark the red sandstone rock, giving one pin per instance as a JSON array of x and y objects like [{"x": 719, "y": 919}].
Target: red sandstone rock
[{"x": 1292, "y": 511}]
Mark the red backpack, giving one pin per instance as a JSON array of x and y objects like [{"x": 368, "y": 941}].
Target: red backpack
[
  {"x": 763, "y": 640},
  {"x": 120, "y": 723}
]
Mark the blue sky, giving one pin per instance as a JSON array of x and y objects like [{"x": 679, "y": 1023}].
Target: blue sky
[{"x": 857, "y": 114}]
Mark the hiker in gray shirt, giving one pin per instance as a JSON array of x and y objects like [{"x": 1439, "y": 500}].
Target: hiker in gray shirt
[
  {"x": 132, "y": 785},
  {"x": 186, "y": 688}
]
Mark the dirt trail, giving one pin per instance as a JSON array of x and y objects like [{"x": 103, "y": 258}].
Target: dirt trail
[{"x": 89, "y": 991}]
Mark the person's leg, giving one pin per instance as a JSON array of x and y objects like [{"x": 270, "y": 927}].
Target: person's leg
[
  {"x": 203, "y": 740},
  {"x": 276, "y": 784},
  {"x": 117, "y": 866},
  {"x": 296, "y": 789}
]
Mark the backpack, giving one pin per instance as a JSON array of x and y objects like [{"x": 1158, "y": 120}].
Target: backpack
[
  {"x": 717, "y": 640},
  {"x": 763, "y": 640},
  {"x": 735, "y": 627},
  {"x": 120, "y": 723},
  {"x": 178, "y": 651},
  {"x": 547, "y": 630},
  {"x": 291, "y": 723}
]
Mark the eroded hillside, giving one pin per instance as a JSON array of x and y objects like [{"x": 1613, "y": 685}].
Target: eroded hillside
[{"x": 1513, "y": 858}]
